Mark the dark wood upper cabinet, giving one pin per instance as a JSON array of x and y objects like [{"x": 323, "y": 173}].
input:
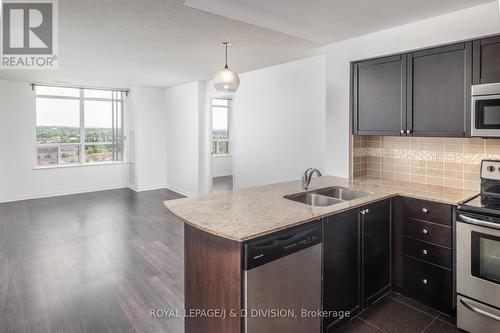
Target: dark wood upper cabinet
[
  {"x": 486, "y": 60},
  {"x": 379, "y": 96},
  {"x": 341, "y": 291},
  {"x": 438, "y": 91},
  {"x": 422, "y": 93},
  {"x": 376, "y": 245}
]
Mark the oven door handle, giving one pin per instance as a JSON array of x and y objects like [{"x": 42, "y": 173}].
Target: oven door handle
[
  {"x": 479, "y": 222},
  {"x": 479, "y": 311}
]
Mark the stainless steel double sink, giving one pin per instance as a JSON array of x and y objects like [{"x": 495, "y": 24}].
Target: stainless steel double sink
[{"x": 326, "y": 196}]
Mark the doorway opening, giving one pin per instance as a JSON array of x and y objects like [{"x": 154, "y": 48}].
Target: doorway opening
[{"x": 222, "y": 144}]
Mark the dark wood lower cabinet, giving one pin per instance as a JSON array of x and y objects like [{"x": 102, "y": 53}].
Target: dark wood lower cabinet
[
  {"x": 422, "y": 254},
  {"x": 376, "y": 259},
  {"x": 341, "y": 252},
  {"x": 356, "y": 259},
  {"x": 428, "y": 283}
]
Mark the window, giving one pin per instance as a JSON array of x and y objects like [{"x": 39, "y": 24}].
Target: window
[
  {"x": 221, "y": 133},
  {"x": 78, "y": 126}
]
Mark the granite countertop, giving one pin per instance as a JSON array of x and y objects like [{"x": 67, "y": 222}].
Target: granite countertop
[{"x": 252, "y": 212}]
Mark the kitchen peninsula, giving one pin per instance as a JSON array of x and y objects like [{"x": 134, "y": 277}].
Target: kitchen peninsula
[{"x": 218, "y": 226}]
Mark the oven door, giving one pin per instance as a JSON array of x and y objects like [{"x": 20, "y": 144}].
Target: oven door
[
  {"x": 485, "y": 117},
  {"x": 478, "y": 258}
]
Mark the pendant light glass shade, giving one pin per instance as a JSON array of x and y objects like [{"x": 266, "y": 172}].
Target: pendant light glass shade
[{"x": 226, "y": 80}]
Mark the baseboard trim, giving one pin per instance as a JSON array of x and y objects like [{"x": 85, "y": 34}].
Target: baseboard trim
[
  {"x": 59, "y": 193},
  {"x": 180, "y": 191},
  {"x": 142, "y": 189}
]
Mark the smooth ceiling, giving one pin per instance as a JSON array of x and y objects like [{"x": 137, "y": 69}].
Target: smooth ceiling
[
  {"x": 122, "y": 43},
  {"x": 327, "y": 21}
]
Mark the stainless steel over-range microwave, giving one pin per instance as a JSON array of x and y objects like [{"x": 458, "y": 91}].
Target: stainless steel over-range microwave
[{"x": 485, "y": 111}]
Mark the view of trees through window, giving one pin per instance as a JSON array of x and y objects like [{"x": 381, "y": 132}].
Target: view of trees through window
[
  {"x": 220, "y": 126},
  {"x": 76, "y": 125}
]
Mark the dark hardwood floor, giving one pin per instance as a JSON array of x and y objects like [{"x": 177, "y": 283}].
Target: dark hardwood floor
[{"x": 95, "y": 262}]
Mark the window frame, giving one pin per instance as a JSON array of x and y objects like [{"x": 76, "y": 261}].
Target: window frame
[
  {"x": 117, "y": 96},
  {"x": 229, "y": 108}
]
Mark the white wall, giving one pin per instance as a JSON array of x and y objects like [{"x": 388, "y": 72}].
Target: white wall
[
  {"x": 147, "y": 144},
  {"x": 185, "y": 108},
  {"x": 465, "y": 24},
  {"x": 18, "y": 179},
  {"x": 222, "y": 166},
  {"x": 279, "y": 122}
]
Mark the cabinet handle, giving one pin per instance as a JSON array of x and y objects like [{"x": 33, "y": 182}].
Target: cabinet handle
[
  {"x": 402, "y": 131},
  {"x": 363, "y": 212},
  {"x": 479, "y": 311},
  {"x": 408, "y": 131},
  {"x": 425, "y": 211},
  {"x": 424, "y": 281},
  {"x": 424, "y": 252},
  {"x": 367, "y": 211},
  {"x": 425, "y": 231}
]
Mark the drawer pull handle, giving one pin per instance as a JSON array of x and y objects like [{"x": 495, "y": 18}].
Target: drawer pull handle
[
  {"x": 425, "y": 211},
  {"x": 425, "y": 231},
  {"x": 424, "y": 281},
  {"x": 424, "y": 252},
  {"x": 479, "y": 311}
]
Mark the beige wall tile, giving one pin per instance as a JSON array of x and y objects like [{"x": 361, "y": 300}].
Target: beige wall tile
[
  {"x": 471, "y": 185},
  {"x": 455, "y": 183},
  {"x": 472, "y": 176},
  {"x": 435, "y": 164},
  {"x": 454, "y": 166},
  {"x": 474, "y": 149},
  {"x": 388, "y": 175},
  {"x": 453, "y": 162},
  {"x": 414, "y": 178},
  {"x": 405, "y": 177},
  {"x": 435, "y": 180}
]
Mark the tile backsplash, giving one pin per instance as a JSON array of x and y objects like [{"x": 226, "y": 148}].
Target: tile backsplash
[{"x": 452, "y": 162}]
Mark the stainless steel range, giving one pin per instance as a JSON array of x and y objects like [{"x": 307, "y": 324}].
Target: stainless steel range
[{"x": 478, "y": 255}]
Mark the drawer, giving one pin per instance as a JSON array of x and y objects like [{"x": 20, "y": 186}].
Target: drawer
[
  {"x": 432, "y": 253},
  {"x": 428, "y": 211},
  {"x": 428, "y": 232},
  {"x": 473, "y": 316},
  {"x": 429, "y": 284}
]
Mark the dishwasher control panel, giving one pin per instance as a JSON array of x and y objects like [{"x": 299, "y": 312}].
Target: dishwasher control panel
[{"x": 280, "y": 244}]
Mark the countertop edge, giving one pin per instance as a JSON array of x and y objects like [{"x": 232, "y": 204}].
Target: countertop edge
[{"x": 376, "y": 198}]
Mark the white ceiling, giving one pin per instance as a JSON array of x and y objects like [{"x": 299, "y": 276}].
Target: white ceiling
[
  {"x": 122, "y": 43},
  {"x": 327, "y": 21}
]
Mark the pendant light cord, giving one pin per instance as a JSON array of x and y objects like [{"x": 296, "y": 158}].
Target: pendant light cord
[{"x": 226, "y": 54}]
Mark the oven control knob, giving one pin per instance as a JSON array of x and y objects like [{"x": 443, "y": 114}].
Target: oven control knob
[
  {"x": 424, "y": 281},
  {"x": 425, "y": 231},
  {"x": 424, "y": 252},
  {"x": 490, "y": 168}
]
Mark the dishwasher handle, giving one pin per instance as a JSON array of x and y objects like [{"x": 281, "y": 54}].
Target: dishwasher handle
[{"x": 281, "y": 244}]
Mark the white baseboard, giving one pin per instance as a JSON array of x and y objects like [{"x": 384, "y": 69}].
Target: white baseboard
[
  {"x": 58, "y": 193},
  {"x": 142, "y": 189},
  {"x": 181, "y": 191}
]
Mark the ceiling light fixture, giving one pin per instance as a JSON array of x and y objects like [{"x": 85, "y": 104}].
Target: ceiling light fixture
[{"x": 226, "y": 80}]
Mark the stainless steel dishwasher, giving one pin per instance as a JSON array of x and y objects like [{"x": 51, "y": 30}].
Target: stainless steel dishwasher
[{"x": 282, "y": 281}]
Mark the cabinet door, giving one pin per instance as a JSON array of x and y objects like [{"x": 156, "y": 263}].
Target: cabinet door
[
  {"x": 341, "y": 264},
  {"x": 376, "y": 259},
  {"x": 379, "y": 96},
  {"x": 486, "y": 60},
  {"x": 438, "y": 94}
]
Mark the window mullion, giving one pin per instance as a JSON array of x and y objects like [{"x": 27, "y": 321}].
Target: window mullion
[{"x": 82, "y": 128}]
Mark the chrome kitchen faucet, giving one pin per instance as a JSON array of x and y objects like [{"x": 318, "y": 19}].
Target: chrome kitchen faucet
[{"x": 306, "y": 178}]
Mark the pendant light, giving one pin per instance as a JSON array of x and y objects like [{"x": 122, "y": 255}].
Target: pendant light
[{"x": 226, "y": 80}]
